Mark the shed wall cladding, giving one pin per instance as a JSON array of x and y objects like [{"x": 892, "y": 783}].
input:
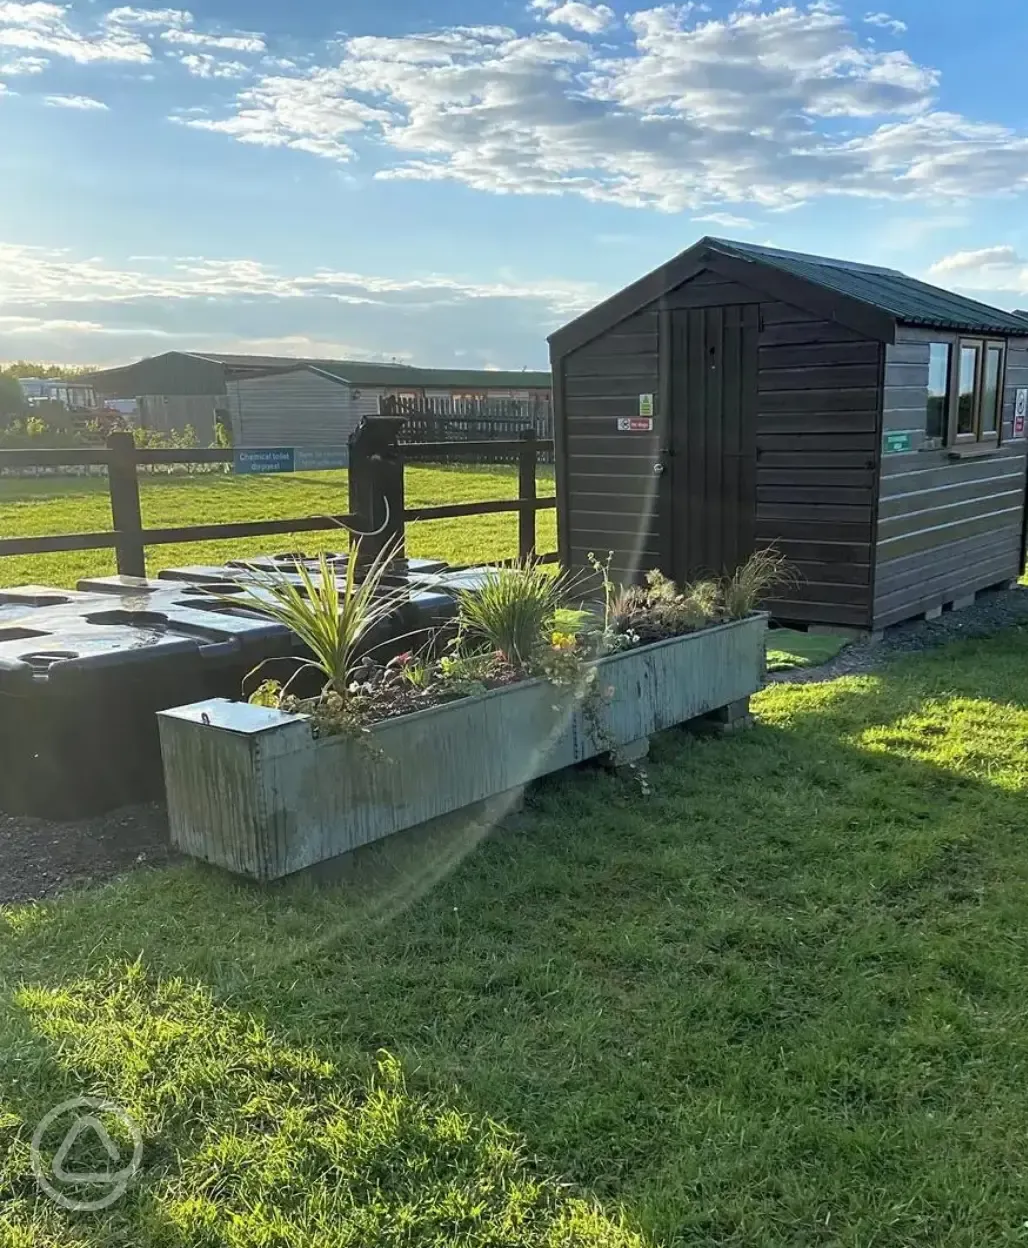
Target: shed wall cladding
[
  {"x": 946, "y": 527},
  {"x": 366, "y": 403},
  {"x": 291, "y": 409},
  {"x": 817, "y": 435},
  {"x": 611, "y": 489}
]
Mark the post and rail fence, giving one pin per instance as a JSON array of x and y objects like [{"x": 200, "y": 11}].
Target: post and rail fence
[{"x": 376, "y": 494}]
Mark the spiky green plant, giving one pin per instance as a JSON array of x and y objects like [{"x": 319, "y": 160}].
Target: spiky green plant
[
  {"x": 514, "y": 609},
  {"x": 329, "y": 618},
  {"x": 750, "y": 582}
]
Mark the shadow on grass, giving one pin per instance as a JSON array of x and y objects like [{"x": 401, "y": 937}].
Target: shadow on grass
[{"x": 779, "y": 1002}]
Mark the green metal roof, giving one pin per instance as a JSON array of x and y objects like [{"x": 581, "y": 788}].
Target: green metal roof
[
  {"x": 911, "y": 301},
  {"x": 358, "y": 374},
  {"x": 371, "y": 373}
]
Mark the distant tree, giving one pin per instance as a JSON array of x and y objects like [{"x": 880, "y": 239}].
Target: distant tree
[
  {"x": 12, "y": 401},
  {"x": 35, "y": 368}
]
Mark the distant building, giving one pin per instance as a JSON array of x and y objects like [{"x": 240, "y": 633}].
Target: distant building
[
  {"x": 287, "y": 401},
  {"x": 74, "y": 395}
]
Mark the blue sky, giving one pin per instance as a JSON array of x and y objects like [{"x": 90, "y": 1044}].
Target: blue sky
[{"x": 446, "y": 183}]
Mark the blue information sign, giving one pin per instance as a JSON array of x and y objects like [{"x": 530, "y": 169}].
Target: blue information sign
[
  {"x": 264, "y": 459},
  {"x": 320, "y": 458}
]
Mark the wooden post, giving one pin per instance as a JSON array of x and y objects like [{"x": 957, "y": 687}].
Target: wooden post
[
  {"x": 527, "y": 458},
  {"x": 126, "y": 516},
  {"x": 376, "y": 486}
]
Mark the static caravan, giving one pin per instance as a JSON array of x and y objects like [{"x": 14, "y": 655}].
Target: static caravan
[{"x": 869, "y": 425}]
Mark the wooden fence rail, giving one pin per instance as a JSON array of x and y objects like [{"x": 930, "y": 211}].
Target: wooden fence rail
[{"x": 375, "y": 491}]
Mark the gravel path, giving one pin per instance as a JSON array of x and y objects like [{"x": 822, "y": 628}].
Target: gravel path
[
  {"x": 39, "y": 858},
  {"x": 999, "y": 609}
]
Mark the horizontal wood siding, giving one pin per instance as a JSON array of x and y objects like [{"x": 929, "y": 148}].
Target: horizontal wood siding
[
  {"x": 946, "y": 527},
  {"x": 609, "y": 487},
  {"x": 291, "y": 409},
  {"x": 817, "y": 434}
]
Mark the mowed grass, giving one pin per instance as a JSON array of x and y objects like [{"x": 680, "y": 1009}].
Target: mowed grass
[
  {"x": 780, "y": 1002},
  {"x": 41, "y": 506},
  {"x": 788, "y": 648}
]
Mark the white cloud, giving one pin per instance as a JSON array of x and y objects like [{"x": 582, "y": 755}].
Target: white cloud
[
  {"x": 225, "y": 43},
  {"x": 31, "y": 274},
  {"x": 148, "y": 305},
  {"x": 82, "y": 102},
  {"x": 24, "y": 65},
  {"x": 204, "y": 65},
  {"x": 128, "y": 16},
  {"x": 37, "y": 324},
  {"x": 727, "y": 220},
  {"x": 40, "y": 27},
  {"x": 998, "y": 268},
  {"x": 886, "y": 22},
  {"x": 772, "y": 107},
  {"x": 590, "y": 19},
  {"x": 311, "y": 114}
]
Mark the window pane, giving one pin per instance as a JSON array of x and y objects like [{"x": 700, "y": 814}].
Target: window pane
[
  {"x": 965, "y": 396},
  {"x": 990, "y": 390},
  {"x": 938, "y": 390}
]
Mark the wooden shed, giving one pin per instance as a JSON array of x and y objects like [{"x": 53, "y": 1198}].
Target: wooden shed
[{"x": 869, "y": 425}]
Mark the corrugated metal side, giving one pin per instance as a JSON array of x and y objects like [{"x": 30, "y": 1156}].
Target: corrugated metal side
[
  {"x": 817, "y": 440},
  {"x": 173, "y": 373},
  {"x": 946, "y": 527},
  {"x": 608, "y": 490},
  {"x": 367, "y": 403},
  {"x": 167, "y": 412},
  {"x": 267, "y": 800},
  {"x": 291, "y": 409}
]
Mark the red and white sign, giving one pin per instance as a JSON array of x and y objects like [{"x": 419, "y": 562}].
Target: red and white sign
[
  {"x": 635, "y": 424},
  {"x": 1020, "y": 411}
]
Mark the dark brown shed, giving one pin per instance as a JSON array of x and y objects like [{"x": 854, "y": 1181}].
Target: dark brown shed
[{"x": 869, "y": 425}]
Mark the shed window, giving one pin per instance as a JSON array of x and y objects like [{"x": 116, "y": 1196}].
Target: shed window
[
  {"x": 992, "y": 395},
  {"x": 938, "y": 392},
  {"x": 965, "y": 392}
]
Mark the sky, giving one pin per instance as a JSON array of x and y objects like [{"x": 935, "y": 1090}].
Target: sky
[{"x": 446, "y": 183}]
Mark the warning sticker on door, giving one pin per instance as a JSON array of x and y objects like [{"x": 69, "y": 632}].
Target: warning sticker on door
[
  {"x": 645, "y": 404},
  {"x": 1020, "y": 411},
  {"x": 635, "y": 424}
]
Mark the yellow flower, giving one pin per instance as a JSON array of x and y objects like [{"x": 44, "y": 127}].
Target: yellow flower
[{"x": 562, "y": 641}]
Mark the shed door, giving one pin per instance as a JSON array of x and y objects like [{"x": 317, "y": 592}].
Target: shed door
[{"x": 713, "y": 438}]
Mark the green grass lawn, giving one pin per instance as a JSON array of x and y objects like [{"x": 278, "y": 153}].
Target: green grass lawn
[
  {"x": 781, "y": 1002},
  {"x": 31, "y": 507},
  {"x": 788, "y": 648}
]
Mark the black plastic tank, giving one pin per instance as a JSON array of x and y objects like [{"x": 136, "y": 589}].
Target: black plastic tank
[{"x": 81, "y": 682}]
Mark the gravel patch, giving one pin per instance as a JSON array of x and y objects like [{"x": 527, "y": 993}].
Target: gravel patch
[
  {"x": 39, "y": 857},
  {"x": 992, "y": 612}
]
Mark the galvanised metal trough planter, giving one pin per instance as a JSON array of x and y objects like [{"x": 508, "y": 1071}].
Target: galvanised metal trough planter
[{"x": 254, "y": 790}]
